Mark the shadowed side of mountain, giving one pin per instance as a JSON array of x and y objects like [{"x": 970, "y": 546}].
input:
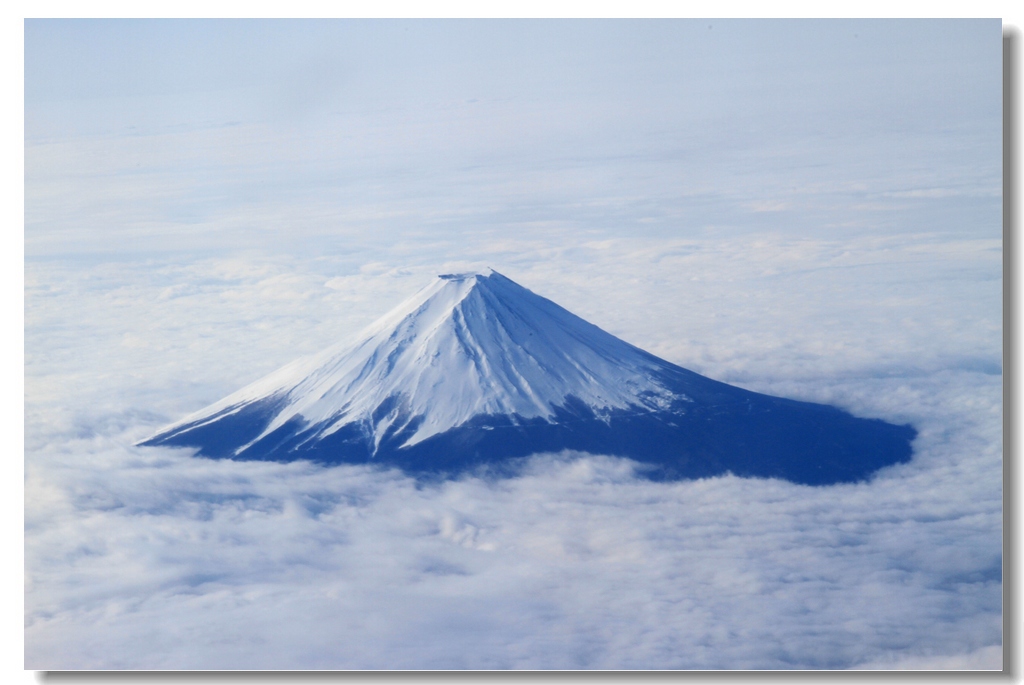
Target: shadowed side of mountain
[
  {"x": 221, "y": 435},
  {"x": 752, "y": 436},
  {"x": 807, "y": 444}
]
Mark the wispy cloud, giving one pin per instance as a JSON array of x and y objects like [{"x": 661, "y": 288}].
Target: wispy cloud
[{"x": 767, "y": 206}]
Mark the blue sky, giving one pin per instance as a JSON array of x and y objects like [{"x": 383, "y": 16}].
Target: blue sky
[{"x": 809, "y": 209}]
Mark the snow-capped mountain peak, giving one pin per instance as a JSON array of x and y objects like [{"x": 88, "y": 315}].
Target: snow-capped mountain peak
[
  {"x": 467, "y": 345},
  {"x": 475, "y": 369}
]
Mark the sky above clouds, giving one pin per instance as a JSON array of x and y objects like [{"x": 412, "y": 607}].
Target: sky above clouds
[{"x": 809, "y": 209}]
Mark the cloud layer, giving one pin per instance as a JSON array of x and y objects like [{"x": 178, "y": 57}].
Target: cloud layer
[
  {"x": 164, "y": 561},
  {"x": 150, "y": 558}
]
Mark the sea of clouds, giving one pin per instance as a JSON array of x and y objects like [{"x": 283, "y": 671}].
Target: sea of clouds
[
  {"x": 775, "y": 232},
  {"x": 151, "y": 558}
]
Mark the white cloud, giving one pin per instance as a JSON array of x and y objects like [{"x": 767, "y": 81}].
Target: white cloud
[
  {"x": 152, "y": 559},
  {"x": 984, "y": 659}
]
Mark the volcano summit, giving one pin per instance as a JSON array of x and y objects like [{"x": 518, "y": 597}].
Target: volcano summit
[{"x": 475, "y": 370}]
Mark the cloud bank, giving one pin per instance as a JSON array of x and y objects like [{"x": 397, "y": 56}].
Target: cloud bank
[
  {"x": 172, "y": 562},
  {"x": 149, "y": 558}
]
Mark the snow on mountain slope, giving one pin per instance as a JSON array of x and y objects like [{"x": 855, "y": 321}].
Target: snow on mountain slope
[{"x": 466, "y": 345}]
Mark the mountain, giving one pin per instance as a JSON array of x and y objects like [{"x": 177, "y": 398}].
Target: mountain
[{"x": 475, "y": 370}]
